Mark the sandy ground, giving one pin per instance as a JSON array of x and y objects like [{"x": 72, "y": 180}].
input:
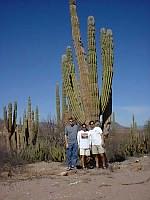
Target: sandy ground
[{"x": 129, "y": 180}]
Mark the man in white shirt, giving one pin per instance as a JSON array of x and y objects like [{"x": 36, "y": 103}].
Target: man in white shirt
[
  {"x": 97, "y": 143},
  {"x": 83, "y": 144}
]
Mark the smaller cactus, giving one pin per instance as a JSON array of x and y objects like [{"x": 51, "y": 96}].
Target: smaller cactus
[
  {"x": 11, "y": 124},
  {"x": 35, "y": 123}
]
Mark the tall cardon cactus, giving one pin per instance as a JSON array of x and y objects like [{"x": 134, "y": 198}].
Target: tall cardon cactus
[{"x": 82, "y": 95}]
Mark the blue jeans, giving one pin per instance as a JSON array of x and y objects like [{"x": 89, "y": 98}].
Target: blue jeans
[{"x": 72, "y": 154}]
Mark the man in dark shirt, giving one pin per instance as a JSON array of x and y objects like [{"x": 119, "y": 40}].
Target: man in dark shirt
[{"x": 71, "y": 131}]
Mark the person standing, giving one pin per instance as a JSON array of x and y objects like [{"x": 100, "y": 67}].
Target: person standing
[
  {"x": 84, "y": 144},
  {"x": 97, "y": 142},
  {"x": 71, "y": 131}
]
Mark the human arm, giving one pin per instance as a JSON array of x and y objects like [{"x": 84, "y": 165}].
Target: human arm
[
  {"x": 106, "y": 130},
  {"x": 66, "y": 138},
  {"x": 101, "y": 136},
  {"x": 90, "y": 140},
  {"x": 102, "y": 141},
  {"x": 78, "y": 138}
]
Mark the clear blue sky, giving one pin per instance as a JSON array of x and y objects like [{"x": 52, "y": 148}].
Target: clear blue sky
[{"x": 34, "y": 34}]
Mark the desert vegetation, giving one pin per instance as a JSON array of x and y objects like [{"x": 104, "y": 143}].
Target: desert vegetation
[
  {"x": 125, "y": 142},
  {"x": 121, "y": 143}
]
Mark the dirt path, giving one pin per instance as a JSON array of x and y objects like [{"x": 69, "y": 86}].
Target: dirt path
[{"x": 129, "y": 180}]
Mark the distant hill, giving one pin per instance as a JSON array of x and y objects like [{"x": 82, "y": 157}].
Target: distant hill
[
  {"x": 121, "y": 129},
  {"x": 117, "y": 125}
]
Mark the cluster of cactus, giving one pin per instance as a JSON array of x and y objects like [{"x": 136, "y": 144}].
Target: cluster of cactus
[
  {"x": 30, "y": 124},
  {"x": 21, "y": 135},
  {"x": 80, "y": 96},
  {"x": 25, "y": 140},
  {"x": 49, "y": 146},
  {"x": 138, "y": 143},
  {"x": 38, "y": 152},
  {"x": 57, "y": 153},
  {"x": 44, "y": 150},
  {"x": 135, "y": 142}
]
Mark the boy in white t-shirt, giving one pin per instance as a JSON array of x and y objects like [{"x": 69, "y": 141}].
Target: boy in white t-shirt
[
  {"x": 83, "y": 144},
  {"x": 97, "y": 143}
]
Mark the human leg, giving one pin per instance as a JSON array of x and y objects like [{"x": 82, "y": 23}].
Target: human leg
[
  {"x": 74, "y": 157},
  {"x": 87, "y": 156},
  {"x": 101, "y": 152},
  {"x": 84, "y": 153},
  {"x": 103, "y": 160},
  {"x": 95, "y": 154},
  {"x": 69, "y": 155},
  {"x": 83, "y": 161},
  {"x": 106, "y": 160},
  {"x": 97, "y": 160}
]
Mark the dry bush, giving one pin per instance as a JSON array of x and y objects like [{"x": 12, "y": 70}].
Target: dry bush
[{"x": 114, "y": 147}]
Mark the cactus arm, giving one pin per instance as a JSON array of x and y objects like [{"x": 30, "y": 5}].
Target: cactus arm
[
  {"x": 9, "y": 117},
  {"x": 29, "y": 114},
  {"x": 57, "y": 103},
  {"x": 25, "y": 126},
  {"x": 71, "y": 96},
  {"x": 92, "y": 63},
  {"x": 107, "y": 61},
  {"x": 69, "y": 83},
  {"x": 35, "y": 124},
  {"x": 5, "y": 117},
  {"x": 37, "y": 119},
  {"x": 64, "y": 99},
  {"x": 81, "y": 60},
  {"x": 73, "y": 78},
  {"x": 14, "y": 118},
  {"x": 33, "y": 121}
]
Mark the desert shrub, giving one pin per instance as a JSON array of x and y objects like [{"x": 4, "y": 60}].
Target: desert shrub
[{"x": 114, "y": 148}]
